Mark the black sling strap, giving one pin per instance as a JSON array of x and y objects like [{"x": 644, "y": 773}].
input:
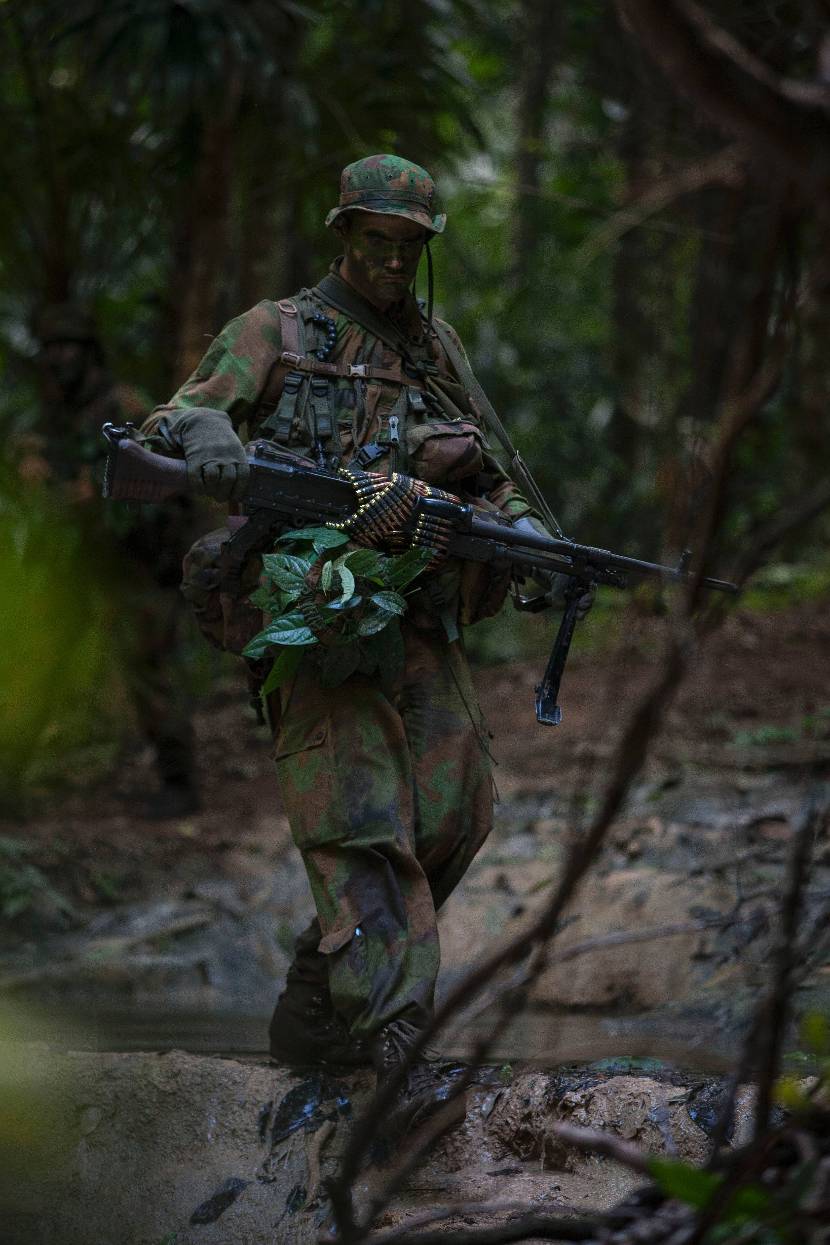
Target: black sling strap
[
  {"x": 333, "y": 290},
  {"x": 518, "y": 467}
]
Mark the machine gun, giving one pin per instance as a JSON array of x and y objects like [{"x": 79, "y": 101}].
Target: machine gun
[{"x": 285, "y": 491}]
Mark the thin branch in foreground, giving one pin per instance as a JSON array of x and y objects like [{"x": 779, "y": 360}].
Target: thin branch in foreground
[
  {"x": 608, "y": 1145},
  {"x": 529, "y": 1227},
  {"x": 601, "y": 942},
  {"x": 440, "y": 1214},
  {"x": 781, "y": 992}
]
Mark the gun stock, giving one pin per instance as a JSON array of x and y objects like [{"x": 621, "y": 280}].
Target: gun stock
[{"x": 134, "y": 473}]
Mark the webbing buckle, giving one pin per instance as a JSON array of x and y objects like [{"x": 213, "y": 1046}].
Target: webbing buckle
[
  {"x": 420, "y": 368},
  {"x": 289, "y": 356},
  {"x": 368, "y": 453},
  {"x": 359, "y": 369}
]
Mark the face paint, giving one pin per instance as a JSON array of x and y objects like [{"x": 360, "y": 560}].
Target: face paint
[{"x": 381, "y": 255}]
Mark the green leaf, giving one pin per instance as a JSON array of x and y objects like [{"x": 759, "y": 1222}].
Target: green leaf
[
  {"x": 340, "y": 604},
  {"x": 387, "y": 648},
  {"x": 338, "y": 663},
  {"x": 815, "y": 1033},
  {"x": 321, "y": 538},
  {"x": 403, "y": 568},
  {"x": 325, "y": 576},
  {"x": 373, "y": 623},
  {"x": 749, "y": 1202},
  {"x": 281, "y": 671},
  {"x": 273, "y": 600},
  {"x": 682, "y": 1181},
  {"x": 368, "y": 659},
  {"x": 347, "y": 582},
  {"x": 279, "y": 562},
  {"x": 287, "y": 629},
  {"x": 286, "y": 571},
  {"x": 265, "y": 599},
  {"x": 366, "y": 562},
  {"x": 393, "y": 602}
]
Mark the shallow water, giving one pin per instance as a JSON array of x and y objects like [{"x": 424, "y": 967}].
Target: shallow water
[{"x": 538, "y": 1037}]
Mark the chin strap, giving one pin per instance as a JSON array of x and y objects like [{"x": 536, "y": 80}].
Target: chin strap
[{"x": 430, "y": 284}]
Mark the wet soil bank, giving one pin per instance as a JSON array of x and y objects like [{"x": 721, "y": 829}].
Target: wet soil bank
[{"x": 145, "y": 1149}]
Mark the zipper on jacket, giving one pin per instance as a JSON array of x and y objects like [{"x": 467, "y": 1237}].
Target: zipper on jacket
[{"x": 394, "y": 443}]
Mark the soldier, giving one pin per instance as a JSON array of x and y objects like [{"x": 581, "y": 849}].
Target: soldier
[
  {"x": 143, "y": 552},
  {"x": 389, "y": 796}
]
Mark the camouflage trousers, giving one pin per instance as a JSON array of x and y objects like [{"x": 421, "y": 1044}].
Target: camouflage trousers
[{"x": 389, "y": 797}]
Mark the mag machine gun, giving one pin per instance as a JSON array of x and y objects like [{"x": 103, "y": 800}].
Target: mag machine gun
[{"x": 286, "y": 491}]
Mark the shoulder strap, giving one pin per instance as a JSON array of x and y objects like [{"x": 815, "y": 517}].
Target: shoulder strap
[
  {"x": 289, "y": 332},
  {"x": 518, "y": 467},
  {"x": 289, "y": 325},
  {"x": 333, "y": 290},
  {"x": 284, "y": 391}
]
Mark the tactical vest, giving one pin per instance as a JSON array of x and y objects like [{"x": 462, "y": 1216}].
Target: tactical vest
[{"x": 314, "y": 405}]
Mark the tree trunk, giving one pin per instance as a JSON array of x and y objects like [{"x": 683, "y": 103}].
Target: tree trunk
[
  {"x": 205, "y": 235},
  {"x": 54, "y": 283},
  {"x": 541, "y": 24},
  {"x": 814, "y": 372}
]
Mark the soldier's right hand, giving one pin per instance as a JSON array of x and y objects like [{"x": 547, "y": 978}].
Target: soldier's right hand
[{"x": 216, "y": 461}]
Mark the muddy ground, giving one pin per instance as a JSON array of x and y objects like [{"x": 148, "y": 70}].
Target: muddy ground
[{"x": 155, "y": 937}]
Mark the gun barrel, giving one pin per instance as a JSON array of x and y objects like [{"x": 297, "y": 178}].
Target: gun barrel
[{"x": 585, "y": 560}]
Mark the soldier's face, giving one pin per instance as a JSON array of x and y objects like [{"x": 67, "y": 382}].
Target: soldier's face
[
  {"x": 66, "y": 363},
  {"x": 382, "y": 254}
]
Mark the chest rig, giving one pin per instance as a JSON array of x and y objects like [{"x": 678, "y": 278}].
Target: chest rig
[{"x": 318, "y": 398}]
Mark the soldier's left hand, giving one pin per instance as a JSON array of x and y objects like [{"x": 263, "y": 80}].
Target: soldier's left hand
[{"x": 558, "y": 583}]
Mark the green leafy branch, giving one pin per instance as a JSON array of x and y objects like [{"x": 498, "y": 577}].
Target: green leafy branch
[{"x": 348, "y": 605}]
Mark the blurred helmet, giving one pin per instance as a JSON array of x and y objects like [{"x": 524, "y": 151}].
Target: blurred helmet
[
  {"x": 64, "y": 322},
  {"x": 391, "y": 185}
]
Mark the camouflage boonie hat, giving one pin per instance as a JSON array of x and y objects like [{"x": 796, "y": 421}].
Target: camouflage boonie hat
[
  {"x": 64, "y": 322},
  {"x": 391, "y": 185}
]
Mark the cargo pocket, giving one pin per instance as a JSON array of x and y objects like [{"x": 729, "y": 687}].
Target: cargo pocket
[{"x": 299, "y": 736}]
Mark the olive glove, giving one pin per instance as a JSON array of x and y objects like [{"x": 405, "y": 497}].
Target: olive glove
[
  {"x": 216, "y": 459},
  {"x": 557, "y": 582}
]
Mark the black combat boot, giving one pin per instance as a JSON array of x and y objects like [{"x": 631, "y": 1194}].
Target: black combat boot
[
  {"x": 305, "y": 1029},
  {"x": 425, "y": 1096}
]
